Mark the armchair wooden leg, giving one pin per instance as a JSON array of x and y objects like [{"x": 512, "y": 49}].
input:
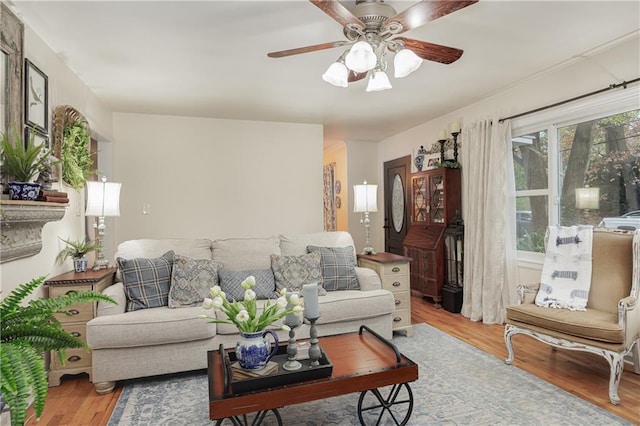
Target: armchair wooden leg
[
  {"x": 509, "y": 331},
  {"x": 635, "y": 356},
  {"x": 616, "y": 363}
]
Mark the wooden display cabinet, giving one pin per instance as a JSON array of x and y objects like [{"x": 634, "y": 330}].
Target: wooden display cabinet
[{"x": 435, "y": 199}]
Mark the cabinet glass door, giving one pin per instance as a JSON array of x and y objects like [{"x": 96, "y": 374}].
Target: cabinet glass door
[
  {"x": 436, "y": 190},
  {"x": 420, "y": 201}
]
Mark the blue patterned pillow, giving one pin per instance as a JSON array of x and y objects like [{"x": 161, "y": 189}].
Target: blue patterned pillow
[
  {"x": 338, "y": 267},
  {"x": 292, "y": 272},
  {"x": 191, "y": 280},
  {"x": 146, "y": 281},
  {"x": 230, "y": 281}
]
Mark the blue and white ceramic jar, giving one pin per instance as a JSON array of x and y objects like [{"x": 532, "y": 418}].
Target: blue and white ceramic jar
[{"x": 254, "y": 351}]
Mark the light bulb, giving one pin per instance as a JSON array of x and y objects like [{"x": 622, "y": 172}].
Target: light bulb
[
  {"x": 361, "y": 57},
  {"x": 405, "y": 63}
]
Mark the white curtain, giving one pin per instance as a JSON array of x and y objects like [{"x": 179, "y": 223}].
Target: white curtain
[{"x": 490, "y": 265}]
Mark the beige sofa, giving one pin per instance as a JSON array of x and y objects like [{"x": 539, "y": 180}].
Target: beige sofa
[{"x": 162, "y": 340}]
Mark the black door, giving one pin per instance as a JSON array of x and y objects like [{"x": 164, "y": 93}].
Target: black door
[{"x": 396, "y": 203}]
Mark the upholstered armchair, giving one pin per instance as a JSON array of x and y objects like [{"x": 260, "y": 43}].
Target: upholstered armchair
[{"x": 610, "y": 327}]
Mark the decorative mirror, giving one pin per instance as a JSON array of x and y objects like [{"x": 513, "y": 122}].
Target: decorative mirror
[
  {"x": 71, "y": 144},
  {"x": 397, "y": 203},
  {"x": 11, "y": 58}
]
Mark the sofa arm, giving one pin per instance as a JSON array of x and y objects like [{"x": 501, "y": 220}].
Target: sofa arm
[
  {"x": 629, "y": 318},
  {"x": 116, "y": 292},
  {"x": 368, "y": 279},
  {"x": 527, "y": 293}
]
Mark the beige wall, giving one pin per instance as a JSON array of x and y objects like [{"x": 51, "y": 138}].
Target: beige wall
[
  {"x": 337, "y": 153},
  {"x": 362, "y": 165},
  {"x": 214, "y": 178},
  {"x": 65, "y": 88}
]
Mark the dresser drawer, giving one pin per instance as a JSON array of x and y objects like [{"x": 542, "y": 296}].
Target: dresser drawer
[
  {"x": 74, "y": 358},
  {"x": 77, "y": 330},
  {"x": 391, "y": 269},
  {"x": 395, "y": 283},
  {"x": 402, "y": 300},
  {"x": 401, "y": 318},
  {"x": 79, "y": 312}
]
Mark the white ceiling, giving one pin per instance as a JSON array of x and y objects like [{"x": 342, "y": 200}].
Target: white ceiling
[{"x": 209, "y": 58}]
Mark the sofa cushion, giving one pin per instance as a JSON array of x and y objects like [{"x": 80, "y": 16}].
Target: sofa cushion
[
  {"x": 240, "y": 254},
  {"x": 338, "y": 267},
  {"x": 155, "y": 326},
  {"x": 590, "y": 324},
  {"x": 230, "y": 283},
  {"x": 146, "y": 281},
  {"x": 351, "y": 305},
  {"x": 292, "y": 272},
  {"x": 296, "y": 244},
  {"x": 191, "y": 280}
]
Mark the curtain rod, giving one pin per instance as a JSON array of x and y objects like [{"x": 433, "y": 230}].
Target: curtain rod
[{"x": 610, "y": 87}]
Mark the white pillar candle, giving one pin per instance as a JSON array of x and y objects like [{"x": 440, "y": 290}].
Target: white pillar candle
[
  {"x": 455, "y": 127},
  {"x": 443, "y": 134},
  {"x": 310, "y": 294}
]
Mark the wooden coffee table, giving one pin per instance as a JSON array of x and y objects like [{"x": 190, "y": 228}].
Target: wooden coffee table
[{"x": 362, "y": 362}]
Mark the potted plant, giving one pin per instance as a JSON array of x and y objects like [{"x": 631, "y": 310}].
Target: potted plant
[
  {"x": 77, "y": 250},
  {"x": 21, "y": 164},
  {"x": 26, "y": 332}
]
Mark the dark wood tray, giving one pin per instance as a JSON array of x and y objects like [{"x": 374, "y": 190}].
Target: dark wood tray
[{"x": 280, "y": 378}]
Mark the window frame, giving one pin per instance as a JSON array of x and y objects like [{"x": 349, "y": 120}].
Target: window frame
[{"x": 593, "y": 107}]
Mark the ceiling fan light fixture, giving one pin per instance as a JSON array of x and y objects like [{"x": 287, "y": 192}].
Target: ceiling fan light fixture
[
  {"x": 405, "y": 62},
  {"x": 378, "y": 81},
  {"x": 337, "y": 74},
  {"x": 361, "y": 57}
]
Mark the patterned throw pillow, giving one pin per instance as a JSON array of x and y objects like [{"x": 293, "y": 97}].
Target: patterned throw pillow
[
  {"x": 338, "y": 267},
  {"x": 230, "y": 281},
  {"x": 191, "y": 280},
  {"x": 146, "y": 281},
  {"x": 293, "y": 272}
]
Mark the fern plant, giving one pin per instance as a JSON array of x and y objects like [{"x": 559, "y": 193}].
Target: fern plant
[
  {"x": 76, "y": 154},
  {"x": 26, "y": 332},
  {"x": 22, "y": 162}
]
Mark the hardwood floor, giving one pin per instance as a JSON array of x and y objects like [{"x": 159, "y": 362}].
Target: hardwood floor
[{"x": 75, "y": 402}]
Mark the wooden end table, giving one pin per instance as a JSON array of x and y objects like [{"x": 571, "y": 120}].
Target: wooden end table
[{"x": 362, "y": 362}]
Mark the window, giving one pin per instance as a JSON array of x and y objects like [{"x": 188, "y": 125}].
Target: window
[{"x": 594, "y": 146}]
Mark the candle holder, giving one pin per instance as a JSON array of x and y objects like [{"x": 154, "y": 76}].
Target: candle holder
[
  {"x": 442, "y": 142},
  {"x": 455, "y": 145},
  {"x": 314, "y": 350},
  {"x": 292, "y": 351}
]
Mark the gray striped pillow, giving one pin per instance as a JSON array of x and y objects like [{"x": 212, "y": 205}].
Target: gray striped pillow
[
  {"x": 338, "y": 267},
  {"x": 146, "y": 281}
]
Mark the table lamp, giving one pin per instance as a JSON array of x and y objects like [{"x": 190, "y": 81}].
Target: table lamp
[
  {"x": 103, "y": 199},
  {"x": 365, "y": 202}
]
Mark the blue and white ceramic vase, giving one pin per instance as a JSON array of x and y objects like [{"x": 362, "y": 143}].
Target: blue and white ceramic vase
[
  {"x": 80, "y": 264},
  {"x": 26, "y": 191},
  {"x": 254, "y": 351}
]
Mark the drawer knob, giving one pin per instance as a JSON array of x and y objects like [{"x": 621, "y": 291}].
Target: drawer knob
[
  {"x": 75, "y": 334},
  {"x": 395, "y": 269},
  {"x": 397, "y": 319},
  {"x": 398, "y": 302},
  {"x": 396, "y": 284},
  {"x": 71, "y": 292},
  {"x": 74, "y": 358},
  {"x": 73, "y": 312}
]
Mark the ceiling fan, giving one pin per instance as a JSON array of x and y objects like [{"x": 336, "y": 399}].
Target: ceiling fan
[{"x": 372, "y": 28}]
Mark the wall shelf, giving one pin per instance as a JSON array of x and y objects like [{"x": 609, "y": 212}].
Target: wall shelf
[{"x": 21, "y": 226}]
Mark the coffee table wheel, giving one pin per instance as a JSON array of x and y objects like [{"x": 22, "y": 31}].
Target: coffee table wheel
[
  {"x": 391, "y": 405},
  {"x": 266, "y": 418}
]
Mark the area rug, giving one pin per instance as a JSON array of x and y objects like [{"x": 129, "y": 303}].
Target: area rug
[{"x": 458, "y": 385}]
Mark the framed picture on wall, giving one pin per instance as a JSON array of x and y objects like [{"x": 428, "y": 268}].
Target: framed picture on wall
[
  {"x": 38, "y": 138},
  {"x": 36, "y": 97}
]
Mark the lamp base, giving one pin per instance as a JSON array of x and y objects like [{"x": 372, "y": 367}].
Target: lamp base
[
  {"x": 100, "y": 264},
  {"x": 368, "y": 250}
]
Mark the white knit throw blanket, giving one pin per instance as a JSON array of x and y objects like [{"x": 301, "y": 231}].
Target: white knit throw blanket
[{"x": 566, "y": 273}]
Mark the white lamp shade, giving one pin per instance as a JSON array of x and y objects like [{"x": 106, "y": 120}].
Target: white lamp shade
[
  {"x": 378, "y": 81},
  {"x": 588, "y": 198},
  {"x": 337, "y": 74},
  {"x": 103, "y": 199},
  {"x": 405, "y": 62},
  {"x": 361, "y": 57},
  {"x": 365, "y": 198}
]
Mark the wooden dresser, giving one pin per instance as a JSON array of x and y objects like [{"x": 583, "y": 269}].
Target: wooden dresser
[
  {"x": 77, "y": 360},
  {"x": 394, "y": 273}
]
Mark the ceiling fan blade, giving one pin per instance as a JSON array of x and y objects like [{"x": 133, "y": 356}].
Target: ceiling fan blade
[
  {"x": 356, "y": 76},
  {"x": 426, "y": 11},
  {"x": 431, "y": 51},
  {"x": 307, "y": 49},
  {"x": 338, "y": 12}
]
